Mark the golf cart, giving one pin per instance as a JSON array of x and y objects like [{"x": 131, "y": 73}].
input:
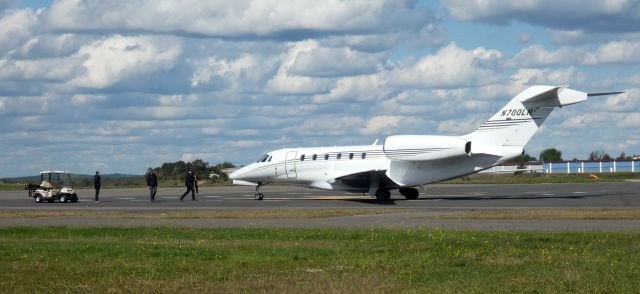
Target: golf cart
[{"x": 55, "y": 185}]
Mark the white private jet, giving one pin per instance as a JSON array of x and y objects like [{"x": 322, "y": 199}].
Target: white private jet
[{"x": 408, "y": 161}]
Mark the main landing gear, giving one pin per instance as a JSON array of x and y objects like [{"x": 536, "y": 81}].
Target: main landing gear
[
  {"x": 383, "y": 195},
  {"x": 410, "y": 193},
  {"x": 258, "y": 195}
]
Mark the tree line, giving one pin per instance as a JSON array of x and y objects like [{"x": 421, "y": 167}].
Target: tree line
[
  {"x": 203, "y": 170},
  {"x": 553, "y": 154}
]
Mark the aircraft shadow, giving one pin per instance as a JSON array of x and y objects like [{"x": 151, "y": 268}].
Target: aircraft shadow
[{"x": 484, "y": 197}]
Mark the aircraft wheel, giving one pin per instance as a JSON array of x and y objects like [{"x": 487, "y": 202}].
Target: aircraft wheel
[
  {"x": 410, "y": 193},
  {"x": 258, "y": 196},
  {"x": 383, "y": 195}
]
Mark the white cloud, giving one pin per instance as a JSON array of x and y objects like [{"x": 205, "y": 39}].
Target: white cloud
[
  {"x": 385, "y": 124},
  {"x": 362, "y": 88},
  {"x": 57, "y": 69},
  {"x": 188, "y": 157},
  {"x": 615, "y": 52},
  {"x": 623, "y": 52},
  {"x": 285, "y": 83},
  {"x": 331, "y": 62},
  {"x": 451, "y": 66},
  {"x": 110, "y": 60},
  {"x": 625, "y": 102},
  {"x": 634, "y": 79},
  {"x": 524, "y": 38},
  {"x": 249, "y": 18},
  {"x": 535, "y": 76},
  {"x": 457, "y": 127},
  {"x": 82, "y": 99},
  {"x": 17, "y": 26},
  {"x": 239, "y": 74},
  {"x": 536, "y": 55},
  {"x": 630, "y": 120}
]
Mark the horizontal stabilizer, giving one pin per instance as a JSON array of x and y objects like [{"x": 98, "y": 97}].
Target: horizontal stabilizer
[
  {"x": 546, "y": 96},
  {"x": 604, "y": 94}
]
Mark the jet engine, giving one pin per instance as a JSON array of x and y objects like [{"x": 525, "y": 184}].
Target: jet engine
[{"x": 418, "y": 148}]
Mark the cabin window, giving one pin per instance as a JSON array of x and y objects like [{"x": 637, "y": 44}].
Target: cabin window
[
  {"x": 314, "y": 157},
  {"x": 363, "y": 155},
  {"x": 326, "y": 157},
  {"x": 338, "y": 156},
  {"x": 269, "y": 160},
  {"x": 302, "y": 157},
  {"x": 350, "y": 155}
]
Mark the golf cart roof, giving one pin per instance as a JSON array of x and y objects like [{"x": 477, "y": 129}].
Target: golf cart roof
[{"x": 53, "y": 172}]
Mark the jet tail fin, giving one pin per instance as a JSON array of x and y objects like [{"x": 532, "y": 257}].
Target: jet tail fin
[{"x": 517, "y": 122}]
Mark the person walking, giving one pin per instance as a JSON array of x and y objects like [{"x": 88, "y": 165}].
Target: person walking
[
  {"x": 188, "y": 181},
  {"x": 152, "y": 183},
  {"x": 97, "y": 179}
]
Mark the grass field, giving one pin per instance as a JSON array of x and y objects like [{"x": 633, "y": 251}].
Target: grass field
[
  {"x": 200, "y": 214},
  {"x": 11, "y": 187},
  {"x": 167, "y": 260}
]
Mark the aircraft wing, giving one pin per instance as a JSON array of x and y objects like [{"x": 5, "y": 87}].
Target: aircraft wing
[{"x": 361, "y": 181}]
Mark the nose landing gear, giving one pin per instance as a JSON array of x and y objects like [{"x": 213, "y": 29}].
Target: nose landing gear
[{"x": 258, "y": 195}]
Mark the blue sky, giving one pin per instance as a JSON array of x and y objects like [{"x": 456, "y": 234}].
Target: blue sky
[{"x": 118, "y": 86}]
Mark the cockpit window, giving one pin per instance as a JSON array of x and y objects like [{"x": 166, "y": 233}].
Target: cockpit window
[
  {"x": 263, "y": 158},
  {"x": 269, "y": 160}
]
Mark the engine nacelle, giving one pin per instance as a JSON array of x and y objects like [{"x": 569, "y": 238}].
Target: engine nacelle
[{"x": 418, "y": 148}]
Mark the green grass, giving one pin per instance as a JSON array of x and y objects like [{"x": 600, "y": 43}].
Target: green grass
[
  {"x": 168, "y": 260},
  {"x": 540, "y": 178},
  {"x": 11, "y": 187}
]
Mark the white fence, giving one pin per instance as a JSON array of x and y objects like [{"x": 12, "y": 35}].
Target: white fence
[
  {"x": 570, "y": 167},
  {"x": 592, "y": 166}
]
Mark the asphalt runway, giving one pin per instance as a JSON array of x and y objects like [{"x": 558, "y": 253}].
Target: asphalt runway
[{"x": 433, "y": 200}]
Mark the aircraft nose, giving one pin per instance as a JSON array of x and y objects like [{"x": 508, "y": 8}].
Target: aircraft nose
[{"x": 237, "y": 175}]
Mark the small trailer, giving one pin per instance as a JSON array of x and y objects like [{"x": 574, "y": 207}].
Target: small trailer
[{"x": 54, "y": 185}]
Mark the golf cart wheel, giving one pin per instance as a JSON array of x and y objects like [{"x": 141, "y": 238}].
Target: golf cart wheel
[
  {"x": 38, "y": 198},
  {"x": 63, "y": 198}
]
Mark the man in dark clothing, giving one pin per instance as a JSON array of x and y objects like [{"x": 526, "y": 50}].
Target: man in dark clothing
[
  {"x": 152, "y": 183},
  {"x": 195, "y": 182},
  {"x": 188, "y": 181},
  {"x": 96, "y": 184}
]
